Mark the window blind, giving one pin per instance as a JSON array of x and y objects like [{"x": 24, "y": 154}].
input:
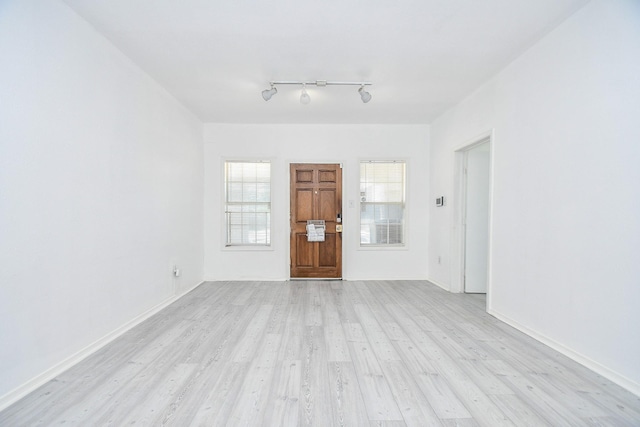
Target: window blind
[
  {"x": 382, "y": 203},
  {"x": 248, "y": 203}
]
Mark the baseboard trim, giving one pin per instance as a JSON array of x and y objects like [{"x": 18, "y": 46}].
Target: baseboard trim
[
  {"x": 598, "y": 368},
  {"x": 21, "y": 391}
]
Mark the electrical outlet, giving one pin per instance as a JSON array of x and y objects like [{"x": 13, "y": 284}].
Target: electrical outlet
[{"x": 439, "y": 259}]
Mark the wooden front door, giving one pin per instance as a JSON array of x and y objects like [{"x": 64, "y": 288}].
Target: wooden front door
[{"x": 316, "y": 194}]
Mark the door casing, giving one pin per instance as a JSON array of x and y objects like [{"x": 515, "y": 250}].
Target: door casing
[{"x": 458, "y": 214}]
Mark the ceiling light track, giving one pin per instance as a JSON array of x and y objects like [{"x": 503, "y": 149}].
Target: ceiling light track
[
  {"x": 267, "y": 94},
  {"x": 318, "y": 83}
]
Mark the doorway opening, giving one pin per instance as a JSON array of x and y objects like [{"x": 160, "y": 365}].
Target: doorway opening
[{"x": 473, "y": 217}]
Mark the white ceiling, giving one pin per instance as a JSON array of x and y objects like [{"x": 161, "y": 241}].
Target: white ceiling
[{"x": 423, "y": 56}]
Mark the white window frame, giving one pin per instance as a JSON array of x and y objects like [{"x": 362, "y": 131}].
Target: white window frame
[
  {"x": 385, "y": 246},
  {"x": 225, "y": 221}
]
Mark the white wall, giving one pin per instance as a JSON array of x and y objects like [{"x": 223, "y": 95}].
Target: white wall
[
  {"x": 347, "y": 144},
  {"x": 566, "y": 202},
  {"x": 101, "y": 181}
]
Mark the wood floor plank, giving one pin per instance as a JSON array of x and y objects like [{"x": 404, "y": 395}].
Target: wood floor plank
[
  {"x": 219, "y": 401},
  {"x": 346, "y": 397},
  {"x": 343, "y": 303},
  {"x": 518, "y": 411},
  {"x": 483, "y": 410},
  {"x": 292, "y": 335},
  {"x": 283, "y": 406},
  {"x": 245, "y": 349},
  {"x": 616, "y": 402},
  {"x": 483, "y": 377},
  {"x": 477, "y": 332},
  {"x": 353, "y": 332},
  {"x": 148, "y": 407},
  {"x": 380, "y": 342},
  {"x": 335, "y": 340},
  {"x": 457, "y": 346},
  {"x": 279, "y": 297},
  {"x": 440, "y": 395},
  {"x": 251, "y": 401},
  {"x": 538, "y": 373},
  {"x": 366, "y": 296},
  {"x": 603, "y": 422},
  {"x": 324, "y": 353},
  {"x": 376, "y": 393},
  {"x": 546, "y": 405},
  {"x": 437, "y": 390},
  {"x": 313, "y": 305},
  {"x": 460, "y": 422},
  {"x": 315, "y": 401},
  {"x": 419, "y": 337},
  {"x": 412, "y": 403},
  {"x": 383, "y": 423},
  {"x": 244, "y": 292}
]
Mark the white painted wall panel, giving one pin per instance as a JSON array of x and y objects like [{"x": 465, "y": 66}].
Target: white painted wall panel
[
  {"x": 566, "y": 233},
  {"x": 101, "y": 181}
]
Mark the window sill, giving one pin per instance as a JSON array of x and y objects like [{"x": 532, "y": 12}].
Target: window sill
[
  {"x": 375, "y": 248},
  {"x": 239, "y": 248}
]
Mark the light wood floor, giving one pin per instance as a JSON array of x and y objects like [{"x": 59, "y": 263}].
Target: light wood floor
[{"x": 376, "y": 353}]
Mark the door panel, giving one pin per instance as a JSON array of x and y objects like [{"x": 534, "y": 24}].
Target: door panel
[
  {"x": 304, "y": 252},
  {"x": 304, "y": 204},
  {"x": 327, "y": 205},
  {"x": 327, "y": 252},
  {"x": 327, "y": 176},
  {"x": 304, "y": 175},
  {"x": 316, "y": 193}
]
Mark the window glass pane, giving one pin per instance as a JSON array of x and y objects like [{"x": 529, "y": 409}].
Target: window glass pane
[
  {"x": 382, "y": 192},
  {"x": 249, "y": 193},
  {"x": 235, "y": 174},
  {"x": 248, "y": 203},
  {"x": 263, "y": 190},
  {"x": 234, "y": 192},
  {"x": 263, "y": 172}
]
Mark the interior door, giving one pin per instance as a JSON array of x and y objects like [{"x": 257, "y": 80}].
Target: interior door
[
  {"x": 477, "y": 218},
  {"x": 316, "y": 194}
]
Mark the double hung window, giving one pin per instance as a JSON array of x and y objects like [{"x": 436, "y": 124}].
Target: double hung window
[
  {"x": 382, "y": 203},
  {"x": 247, "y": 203}
]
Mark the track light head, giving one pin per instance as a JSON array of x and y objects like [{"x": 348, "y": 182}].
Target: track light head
[
  {"x": 304, "y": 96},
  {"x": 364, "y": 95},
  {"x": 268, "y": 93}
]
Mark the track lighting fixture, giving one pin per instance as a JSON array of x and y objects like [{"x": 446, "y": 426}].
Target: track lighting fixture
[
  {"x": 364, "y": 95},
  {"x": 304, "y": 96},
  {"x": 268, "y": 93}
]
